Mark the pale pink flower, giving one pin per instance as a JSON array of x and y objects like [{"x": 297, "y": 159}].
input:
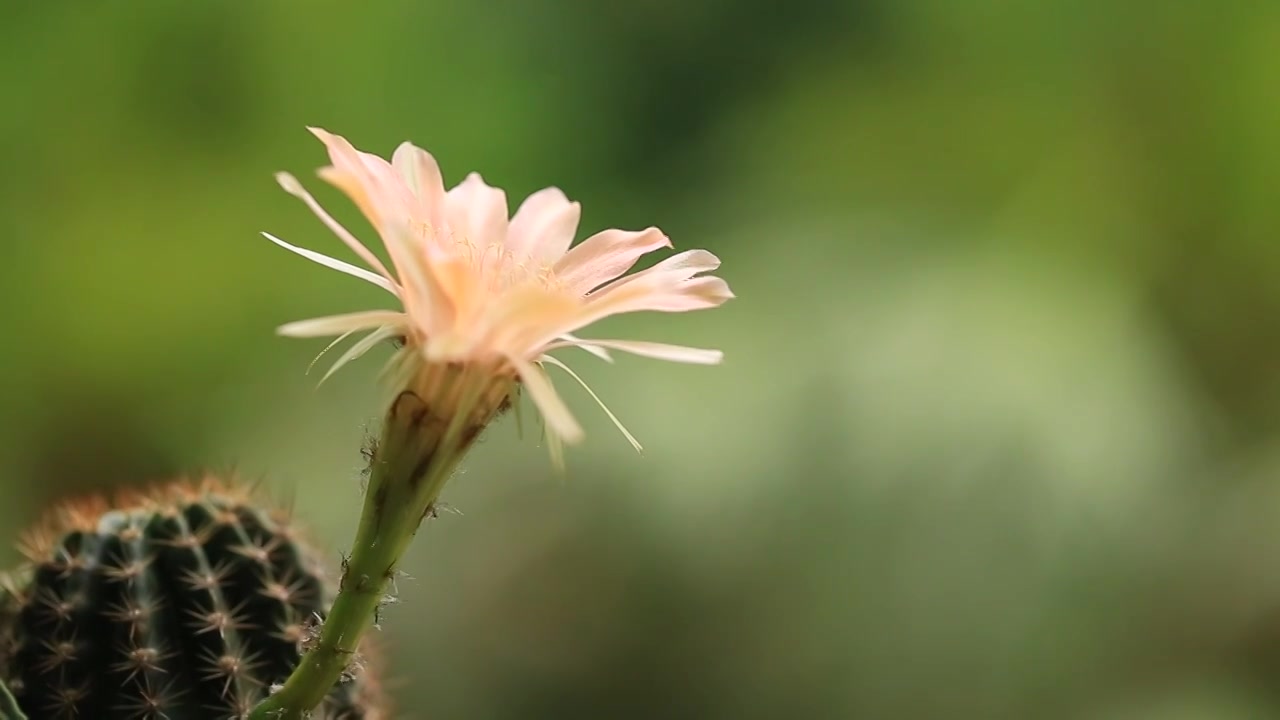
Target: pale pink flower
[{"x": 485, "y": 298}]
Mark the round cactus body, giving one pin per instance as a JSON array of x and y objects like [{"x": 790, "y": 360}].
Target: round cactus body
[{"x": 184, "y": 604}]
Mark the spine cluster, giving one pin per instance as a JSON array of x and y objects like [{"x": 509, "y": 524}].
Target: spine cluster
[{"x": 189, "y": 604}]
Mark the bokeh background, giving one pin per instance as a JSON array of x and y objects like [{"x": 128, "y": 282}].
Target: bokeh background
[{"x": 996, "y": 435}]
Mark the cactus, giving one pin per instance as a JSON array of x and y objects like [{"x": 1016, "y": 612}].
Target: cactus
[{"x": 186, "y": 603}]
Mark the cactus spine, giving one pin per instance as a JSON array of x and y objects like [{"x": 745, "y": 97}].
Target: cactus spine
[{"x": 183, "y": 604}]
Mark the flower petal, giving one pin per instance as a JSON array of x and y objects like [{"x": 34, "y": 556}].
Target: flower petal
[
  {"x": 426, "y": 298},
  {"x": 682, "y": 296},
  {"x": 357, "y": 190},
  {"x": 339, "y": 324},
  {"x": 617, "y": 423},
  {"x": 360, "y": 348},
  {"x": 370, "y": 181},
  {"x": 335, "y": 264},
  {"x": 668, "y": 286},
  {"x": 517, "y": 322},
  {"x": 479, "y": 212},
  {"x": 555, "y": 448},
  {"x": 673, "y": 270},
  {"x": 347, "y": 158},
  {"x": 294, "y": 188},
  {"x": 544, "y": 225},
  {"x": 420, "y": 171},
  {"x": 696, "y": 294},
  {"x": 606, "y": 255},
  {"x": 570, "y": 340},
  {"x": 559, "y": 420},
  {"x": 658, "y": 351}
]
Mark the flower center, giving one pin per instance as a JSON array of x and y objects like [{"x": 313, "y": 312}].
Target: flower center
[
  {"x": 498, "y": 268},
  {"x": 494, "y": 265}
]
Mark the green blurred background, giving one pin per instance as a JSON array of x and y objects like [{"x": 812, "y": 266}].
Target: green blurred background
[{"x": 996, "y": 435}]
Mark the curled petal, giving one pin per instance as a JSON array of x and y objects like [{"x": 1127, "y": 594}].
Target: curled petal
[
  {"x": 604, "y": 256},
  {"x": 696, "y": 294},
  {"x": 673, "y": 270},
  {"x": 668, "y": 286},
  {"x": 679, "y": 296}
]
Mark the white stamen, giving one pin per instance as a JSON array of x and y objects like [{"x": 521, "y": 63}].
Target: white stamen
[
  {"x": 360, "y": 348},
  {"x": 627, "y": 434},
  {"x": 327, "y": 348}
]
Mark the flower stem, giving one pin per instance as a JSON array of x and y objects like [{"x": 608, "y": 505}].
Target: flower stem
[
  {"x": 9, "y": 709},
  {"x": 415, "y": 456}
]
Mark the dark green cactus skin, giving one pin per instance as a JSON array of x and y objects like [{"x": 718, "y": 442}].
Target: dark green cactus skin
[{"x": 184, "y": 610}]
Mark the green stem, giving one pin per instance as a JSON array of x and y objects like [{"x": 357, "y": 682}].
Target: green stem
[
  {"x": 414, "y": 458},
  {"x": 9, "y": 709}
]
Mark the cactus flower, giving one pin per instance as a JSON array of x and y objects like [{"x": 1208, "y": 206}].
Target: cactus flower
[{"x": 485, "y": 298}]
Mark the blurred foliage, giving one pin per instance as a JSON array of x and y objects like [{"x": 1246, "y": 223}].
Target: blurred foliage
[{"x": 996, "y": 436}]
